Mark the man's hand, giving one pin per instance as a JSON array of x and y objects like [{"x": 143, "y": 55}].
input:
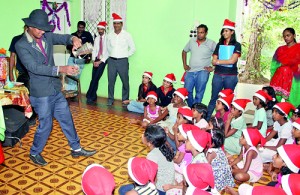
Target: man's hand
[
  {"x": 69, "y": 70},
  {"x": 96, "y": 63},
  {"x": 209, "y": 68},
  {"x": 76, "y": 43},
  {"x": 186, "y": 67}
]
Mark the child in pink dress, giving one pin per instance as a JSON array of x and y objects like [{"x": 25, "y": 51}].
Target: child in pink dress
[
  {"x": 151, "y": 111},
  {"x": 248, "y": 166}
]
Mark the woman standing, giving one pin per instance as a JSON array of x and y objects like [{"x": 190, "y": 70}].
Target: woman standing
[
  {"x": 285, "y": 69},
  {"x": 225, "y": 58}
]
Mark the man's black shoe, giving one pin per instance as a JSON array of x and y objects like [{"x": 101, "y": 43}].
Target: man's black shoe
[
  {"x": 38, "y": 159},
  {"x": 83, "y": 152},
  {"x": 110, "y": 103},
  {"x": 91, "y": 102}
]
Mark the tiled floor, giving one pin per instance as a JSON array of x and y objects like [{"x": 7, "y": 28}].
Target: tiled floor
[{"x": 100, "y": 127}]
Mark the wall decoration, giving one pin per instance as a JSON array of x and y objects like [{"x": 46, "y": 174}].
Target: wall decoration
[{"x": 53, "y": 9}]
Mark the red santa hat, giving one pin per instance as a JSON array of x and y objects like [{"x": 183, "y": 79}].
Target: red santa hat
[
  {"x": 184, "y": 128},
  {"x": 186, "y": 112},
  {"x": 225, "y": 92},
  {"x": 253, "y": 137},
  {"x": 182, "y": 93},
  {"x": 182, "y": 78},
  {"x": 228, "y": 24},
  {"x": 290, "y": 183},
  {"x": 170, "y": 78},
  {"x": 102, "y": 25},
  {"x": 199, "y": 175},
  {"x": 199, "y": 139},
  {"x": 227, "y": 100},
  {"x": 152, "y": 94},
  {"x": 148, "y": 74},
  {"x": 141, "y": 170},
  {"x": 265, "y": 190},
  {"x": 290, "y": 154},
  {"x": 284, "y": 107},
  {"x": 96, "y": 180},
  {"x": 116, "y": 18},
  {"x": 240, "y": 104},
  {"x": 262, "y": 95},
  {"x": 296, "y": 124}
]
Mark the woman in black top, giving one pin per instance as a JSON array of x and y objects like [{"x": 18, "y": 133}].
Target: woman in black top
[{"x": 225, "y": 58}]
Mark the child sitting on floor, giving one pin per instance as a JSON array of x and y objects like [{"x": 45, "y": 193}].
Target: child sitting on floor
[
  {"x": 199, "y": 177},
  {"x": 184, "y": 116},
  {"x": 151, "y": 111},
  {"x": 179, "y": 97},
  {"x": 155, "y": 139},
  {"x": 143, "y": 172},
  {"x": 223, "y": 106},
  {"x": 182, "y": 157},
  {"x": 260, "y": 100},
  {"x": 270, "y": 122},
  {"x": 296, "y": 114},
  {"x": 282, "y": 128},
  {"x": 286, "y": 161},
  {"x": 217, "y": 158},
  {"x": 197, "y": 142},
  {"x": 296, "y": 131},
  {"x": 165, "y": 91},
  {"x": 97, "y": 180},
  {"x": 199, "y": 115},
  {"x": 216, "y": 123},
  {"x": 248, "y": 166},
  {"x": 234, "y": 126},
  {"x": 144, "y": 88}
]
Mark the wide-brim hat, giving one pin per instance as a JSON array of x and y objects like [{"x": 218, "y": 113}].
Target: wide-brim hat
[{"x": 38, "y": 19}]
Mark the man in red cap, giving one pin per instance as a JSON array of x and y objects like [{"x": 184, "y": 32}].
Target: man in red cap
[
  {"x": 197, "y": 73},
  {"x": 98, "y": 63},
  {"x": 120, "y": 46}
]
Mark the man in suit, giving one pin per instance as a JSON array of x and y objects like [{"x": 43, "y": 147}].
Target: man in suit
[
  {"x": 98, "y": 65},
  {"x": 35, "y": 50}
]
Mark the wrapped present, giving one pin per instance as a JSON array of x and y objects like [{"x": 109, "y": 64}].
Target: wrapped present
[{"x": 3, "y": 68}]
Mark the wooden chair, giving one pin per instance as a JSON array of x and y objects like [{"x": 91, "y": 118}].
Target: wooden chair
[{"x": 72, "y": 93}]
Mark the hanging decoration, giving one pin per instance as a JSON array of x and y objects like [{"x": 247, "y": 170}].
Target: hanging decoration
[
  {"x": 278, "y": 5},
  {"x": 53, "y": 10}
]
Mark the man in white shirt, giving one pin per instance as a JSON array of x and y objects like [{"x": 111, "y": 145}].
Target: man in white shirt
[
  {"x": 120, "y": 46},
  {"x": 98, "y": 63}
]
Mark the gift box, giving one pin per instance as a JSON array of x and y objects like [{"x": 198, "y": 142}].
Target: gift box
[{"x": 3, "y": 68}]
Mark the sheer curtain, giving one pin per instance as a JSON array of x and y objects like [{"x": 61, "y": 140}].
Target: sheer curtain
[{"x": 119, "y": 7}]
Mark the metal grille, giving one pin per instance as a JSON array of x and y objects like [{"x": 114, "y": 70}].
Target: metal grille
[{"x": 95, "y": 11}]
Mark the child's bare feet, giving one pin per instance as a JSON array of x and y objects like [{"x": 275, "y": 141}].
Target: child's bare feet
[{"x": 230, "y": 190}]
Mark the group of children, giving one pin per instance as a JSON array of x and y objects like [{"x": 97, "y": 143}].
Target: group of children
[{"x": 192, "y": 155}]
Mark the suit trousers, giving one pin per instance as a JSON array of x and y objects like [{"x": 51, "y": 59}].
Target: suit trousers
[
  {"x": 48, "y": 107},
  {"x": 118, "y": 67},
  {"x": 91, "y": 94}
]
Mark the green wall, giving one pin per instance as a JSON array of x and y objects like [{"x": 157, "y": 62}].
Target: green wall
[
  {"x": 160, "y": 29},
  {"x": 11, "y": 21}
]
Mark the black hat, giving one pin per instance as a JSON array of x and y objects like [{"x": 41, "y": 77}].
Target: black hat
[{"x": 38, "y": 19}]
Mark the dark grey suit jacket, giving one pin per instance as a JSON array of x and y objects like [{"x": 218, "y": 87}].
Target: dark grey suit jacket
[{"x": 44, "y": 80}]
